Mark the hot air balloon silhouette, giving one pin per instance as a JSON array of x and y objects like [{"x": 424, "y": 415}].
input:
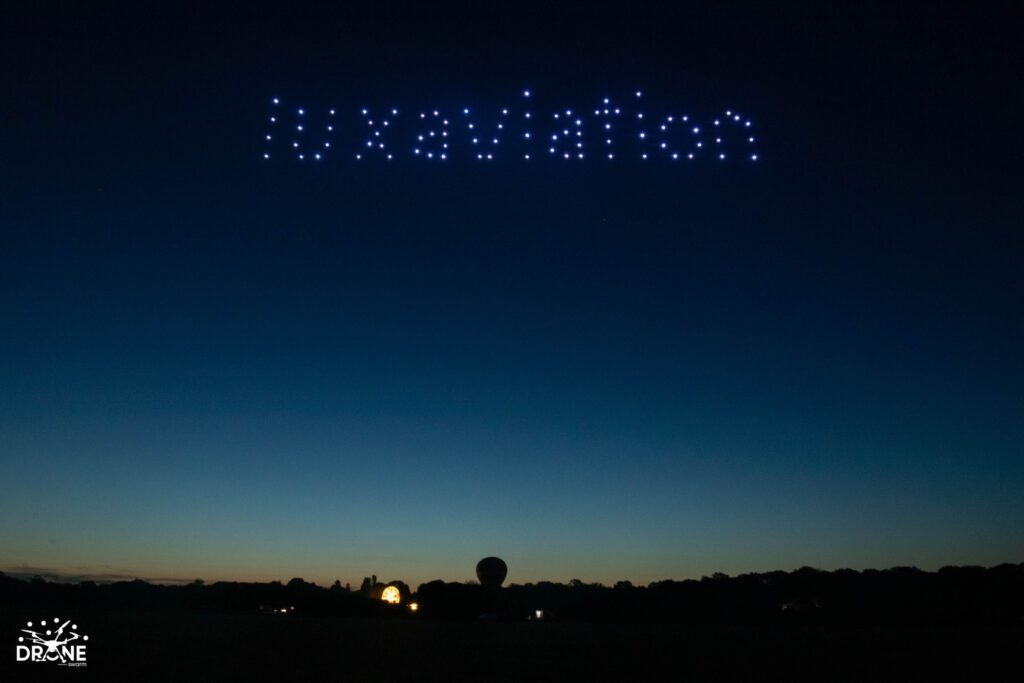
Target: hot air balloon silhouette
[{"x": 491, "y": 572}]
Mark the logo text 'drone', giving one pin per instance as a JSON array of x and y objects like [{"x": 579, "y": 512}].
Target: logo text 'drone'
[{"x": 52, "y": 641}]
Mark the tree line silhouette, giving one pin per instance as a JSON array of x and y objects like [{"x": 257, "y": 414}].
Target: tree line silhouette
[{"x": 968, "y": 594}]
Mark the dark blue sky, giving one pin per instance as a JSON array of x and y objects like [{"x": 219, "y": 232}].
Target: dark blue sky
[{"x": 213, "y": 367}]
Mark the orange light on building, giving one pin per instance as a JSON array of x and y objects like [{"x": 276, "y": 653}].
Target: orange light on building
[{"x": 414, "y": 606}]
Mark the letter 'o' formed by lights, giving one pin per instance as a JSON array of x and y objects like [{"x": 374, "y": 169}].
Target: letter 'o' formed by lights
[
  {"x": 491, "y": 571},
  {"x": 391, "y": 595},
  {"x": 524, "y": 128}
]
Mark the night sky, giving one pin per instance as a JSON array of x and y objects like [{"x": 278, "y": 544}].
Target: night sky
[{"x": 215, "y": 367}]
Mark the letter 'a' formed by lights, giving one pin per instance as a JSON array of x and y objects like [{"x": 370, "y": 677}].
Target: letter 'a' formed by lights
[{"x": 522, "y": 130}]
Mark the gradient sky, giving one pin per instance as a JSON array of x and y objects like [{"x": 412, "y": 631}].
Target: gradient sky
[{"x": 214, "y": 368}]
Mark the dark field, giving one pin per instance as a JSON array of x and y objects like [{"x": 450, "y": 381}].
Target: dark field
[{"x": 177, "y": 646}]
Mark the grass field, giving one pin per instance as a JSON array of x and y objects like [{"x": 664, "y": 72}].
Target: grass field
[{"x": 203, "y": 647}]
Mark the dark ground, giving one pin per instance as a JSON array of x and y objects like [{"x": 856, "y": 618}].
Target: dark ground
[{"x": 196, "y": 647}]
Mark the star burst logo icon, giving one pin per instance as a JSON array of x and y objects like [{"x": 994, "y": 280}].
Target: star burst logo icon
[{"x": 52, "y": 641}]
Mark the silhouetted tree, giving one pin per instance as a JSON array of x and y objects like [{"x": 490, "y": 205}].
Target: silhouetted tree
[{"x": 901, "y": 595}]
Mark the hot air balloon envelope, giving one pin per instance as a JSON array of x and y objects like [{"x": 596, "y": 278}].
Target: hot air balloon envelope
[{"x": 491, "y": 572}]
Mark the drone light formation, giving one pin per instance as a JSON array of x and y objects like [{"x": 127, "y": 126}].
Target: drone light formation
[{"x": 518, "y": 130}]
